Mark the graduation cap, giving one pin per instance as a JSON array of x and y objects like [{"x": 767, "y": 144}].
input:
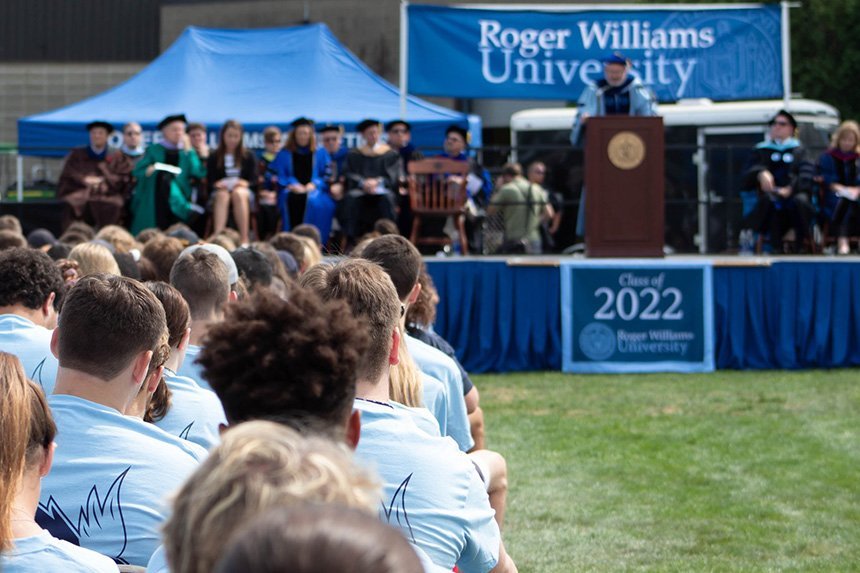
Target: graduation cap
[
  {"x": 170, "y": 119},
  {"x": 392, "y": 124},
  {"x": 366, "y": 123},
  {"x": 461, "y": 131},
  {"x": 786, "y": 115},
  {"x": 616, "y": 58},
  {"x": 99, "y": 123},
  {"x": 331, "y": 127},
  {"x": 300, "y": 121}
]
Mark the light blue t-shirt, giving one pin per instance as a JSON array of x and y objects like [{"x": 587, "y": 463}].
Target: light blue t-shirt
[
  {"x": 422, "y": 418},
  {"x": 42, "y": 553},
  {"x": 32, "y": 345},
  {"x": 435, "y": 395},
  {"x": 190, "y": 368},
  {"x": 440, "y": 366},
  {"x": 158, "y": 562},
  {"x": 194, "y": 414},
  {"x": 431, "y": 490},
  {"x": 111, "y": 476}
]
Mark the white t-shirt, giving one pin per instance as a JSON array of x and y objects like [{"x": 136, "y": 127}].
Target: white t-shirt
[
  {"x": 440, "y": 366},
  {"x": 32, "y": 345},
  {"x": 195, "y": 414},
  {"x": 111, "y": 476},
  {"x": 431, "y": 490},
  {"x": 42, "y": 553}
]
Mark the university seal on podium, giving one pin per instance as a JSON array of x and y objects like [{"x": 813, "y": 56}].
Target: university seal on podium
[{"x": 626, "y": 150}]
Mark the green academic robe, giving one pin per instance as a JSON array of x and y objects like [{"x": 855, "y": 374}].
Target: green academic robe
[{"x": 143, "y": 201}]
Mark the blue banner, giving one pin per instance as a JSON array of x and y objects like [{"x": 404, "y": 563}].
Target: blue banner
[
  {"x": 636, "y": 316},
  {"x": 722, "y": 53}
]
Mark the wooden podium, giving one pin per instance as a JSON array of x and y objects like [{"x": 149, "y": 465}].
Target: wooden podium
[{"x": 624, "y": 187}]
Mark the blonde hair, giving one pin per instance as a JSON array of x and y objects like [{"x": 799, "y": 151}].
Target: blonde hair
[
  {"x": 404, "y": 381},
  {"x": 259, "y": 465},
  {"x": 849, "y": 126},
  {"x": 313, "y": 254},
  {"x": 15, "y": 411},
  {"x": 122, "y": 240},
  {"x": 93, "y": 258}
]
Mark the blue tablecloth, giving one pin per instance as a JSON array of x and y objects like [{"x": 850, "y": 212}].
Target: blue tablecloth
[{"x": 498, "y": 317}]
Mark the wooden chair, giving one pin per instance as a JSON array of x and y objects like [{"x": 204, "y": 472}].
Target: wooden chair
[{"x": 433, "y": 196}]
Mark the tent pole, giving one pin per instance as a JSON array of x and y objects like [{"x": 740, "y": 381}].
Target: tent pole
[
  {"x": 404, "y": 55},
  {"x": 19, "y": 183},
  {"x": 786, "y": 51}
]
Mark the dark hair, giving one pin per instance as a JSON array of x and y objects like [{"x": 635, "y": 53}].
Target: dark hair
[
  {"x": 59, "y": 251},
  {"x": 398, "y": 257},
  {"x": 29, "y": 277},
  {"x": 147, "y": 270},
  {"x": 163, "y": 251},
  {"x": 127, "y": 265},
  {"x": 194, "y": 126},
  {"x": 11, "y": 239},
  {"x": 280, "y": 360},
  {"x": 386, "y": 227},
  {"x": 278, "y": 268},
  {"x": 159, "y": 402},
  {"x": 176, "y": 312},
  {"x": 221, "y": 151},
  {"x": 512, "y": 169},
  {"x": 106, "y": 321},
  {"x": 786, "y": 115},
  {"x": 203, "y": 280},
  {"x": 292, "y": 244},
  {"x": 317, "y": 538},
  {"x": 254, "y": 267}
]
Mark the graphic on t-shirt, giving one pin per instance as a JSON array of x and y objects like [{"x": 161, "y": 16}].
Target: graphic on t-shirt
[
  {"x": 397, "y": 507},
  {"x": 37, "y": 373},
  {"x": 187, "y": 430},
  {"x": 96, "y": 515}
]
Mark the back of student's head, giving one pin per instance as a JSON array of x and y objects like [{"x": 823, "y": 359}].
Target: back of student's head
[
  {"x": 106, "y": 322},
  {"x": 292, "y": 244},
  {"x": 318, "y": 539},
  {"x": 11, "y": 223},
  {"x": 15, "y": 414},
  {"x": 175, "y": 310},
  {"x": 310, "y": 231},
  {"x": 93, "y": 258},
  {"x": 28, "y": 278},
  {"x": 257, "y": 466},
  {"x": 203, "y": 280},
  {"x": 291, "y": 361},
  {"x": 371, "y": 296},
  {"x": 254, "y": 267},
  {"x": 119, "y": 237},
  {"x": 163, "y": 251},
  {"x": 398, "y": 257},
  {"x": 11, "y": 240}
]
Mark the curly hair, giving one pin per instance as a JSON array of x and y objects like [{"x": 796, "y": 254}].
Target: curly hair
[
  {"x": 29, "y": 278},
  {"x": 285, "y": 360}
]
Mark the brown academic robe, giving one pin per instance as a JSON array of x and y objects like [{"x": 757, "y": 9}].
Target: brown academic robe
[{"x": 97, "y": 204}]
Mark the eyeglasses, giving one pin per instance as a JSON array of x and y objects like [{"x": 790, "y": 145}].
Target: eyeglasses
[
  {"x": 780, "y": 123},
  {"x": 133, "y": 132},
  {"x": 402, "y": 310},
  {"x": 397, "y": 131},
  {"x": 329, "y": 138}
]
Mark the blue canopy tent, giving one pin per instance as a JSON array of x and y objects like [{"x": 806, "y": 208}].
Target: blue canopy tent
[{"x": 260, "y": 77}]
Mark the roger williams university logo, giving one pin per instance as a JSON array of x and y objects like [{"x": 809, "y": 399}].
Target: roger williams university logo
[{"x": 597, "y": 341}]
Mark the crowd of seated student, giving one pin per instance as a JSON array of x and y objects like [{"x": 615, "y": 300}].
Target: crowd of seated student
[{"x": 296, "y": 375}]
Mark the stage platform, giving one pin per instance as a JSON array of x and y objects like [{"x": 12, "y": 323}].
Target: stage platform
[{"x": 503, "y": 314}]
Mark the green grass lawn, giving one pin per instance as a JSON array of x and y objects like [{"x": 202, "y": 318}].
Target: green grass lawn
[{"x": 731, "y": 471}]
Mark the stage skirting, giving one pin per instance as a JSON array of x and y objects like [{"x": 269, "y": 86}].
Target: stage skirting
[{"x": 504, "y": 315}]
